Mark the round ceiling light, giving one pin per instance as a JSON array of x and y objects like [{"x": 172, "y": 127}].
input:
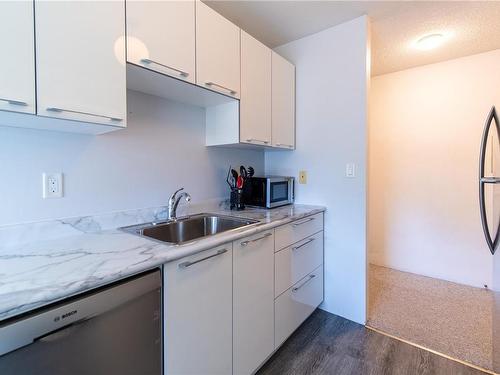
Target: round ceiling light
[{"x": 430, "y": 41}]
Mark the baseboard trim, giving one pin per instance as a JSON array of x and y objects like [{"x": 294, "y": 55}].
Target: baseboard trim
[{"x": 432, "y": 351}]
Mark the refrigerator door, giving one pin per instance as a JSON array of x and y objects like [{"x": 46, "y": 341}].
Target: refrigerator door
[{"x": 489, "y": 181}]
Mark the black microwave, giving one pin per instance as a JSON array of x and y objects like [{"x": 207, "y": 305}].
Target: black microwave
[{"x": 268, "y": 192}]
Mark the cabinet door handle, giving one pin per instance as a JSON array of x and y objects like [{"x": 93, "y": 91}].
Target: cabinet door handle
[
  {"x": 303, "y": 222},
  {"x": 304, "y": 283},
  {"x": 14, "y": 102},
  {"x": 245, "y": 243},
  {"x": 257, "y": 140},
  {"x": 189, "y": 264},
  {"x": 304, "y": 244},
  {"x": 284, "y": 145},
  {"x": 231, "y": 91},
  {"x": 56, "y": 109},
  {"x": 181, "y": 72}
]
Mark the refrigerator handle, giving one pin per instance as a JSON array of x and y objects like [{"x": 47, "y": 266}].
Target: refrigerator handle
[{"x": 492, "y": 118}]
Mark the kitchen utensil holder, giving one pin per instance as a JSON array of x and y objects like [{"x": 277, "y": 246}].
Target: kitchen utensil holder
[{"x": 236, "y": 200}]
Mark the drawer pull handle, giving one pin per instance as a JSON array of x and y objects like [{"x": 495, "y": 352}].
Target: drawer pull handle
[
  {"x": 303, "y": 222},
  {"x": 245, "y": 243},
  {"x": 189, "y": 264},
  {"x": 55, "y": 109},
  {"x": 14, "y": 102},
  {"x": 284, "y": 145},
  {"x": 181, "y": 72},
  {"x": 304, "y": 244},
  {"x": 304, "y": 283},
  {"x": 257, "y": 140},
  {"x": 231, "y": 91}
]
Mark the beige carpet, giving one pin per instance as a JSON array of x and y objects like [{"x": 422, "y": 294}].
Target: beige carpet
[{"x": 449, "y": 318}]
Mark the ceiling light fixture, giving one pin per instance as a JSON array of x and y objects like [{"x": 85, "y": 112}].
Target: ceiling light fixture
[{"x": 430, "y": 41}]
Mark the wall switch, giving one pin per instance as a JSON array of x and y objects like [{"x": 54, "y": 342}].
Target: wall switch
[
  {"x": 302, "y": 177},
  {"x": 350, "y": 170},
  {"x": 52, "y": 185}
]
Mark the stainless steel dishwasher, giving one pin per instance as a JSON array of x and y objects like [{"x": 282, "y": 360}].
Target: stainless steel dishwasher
[{"x": 113, "y": 330}]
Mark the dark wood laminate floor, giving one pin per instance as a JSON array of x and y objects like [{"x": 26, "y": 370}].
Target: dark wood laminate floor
[{"x": 328, "y": 344}]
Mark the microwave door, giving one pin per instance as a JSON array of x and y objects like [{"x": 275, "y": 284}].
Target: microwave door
[{"x": 279, "y": 193}]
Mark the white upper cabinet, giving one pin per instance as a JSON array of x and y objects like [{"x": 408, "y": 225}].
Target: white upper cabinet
[
  {"x": 283, "y": 103},
  {"x": 217, "y": 52},
  {"x": 80, "y": 64},
  {"x": 161, "y": 36},
  {"x": 17, "y": 64},
  {"x": 255, "y": 101}
]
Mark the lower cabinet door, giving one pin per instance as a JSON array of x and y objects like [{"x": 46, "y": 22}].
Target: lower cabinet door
[
  {"x": 198, "y": 313},
  {"x": 253, "y": 301},
  {"x": 297, "y": 303}
]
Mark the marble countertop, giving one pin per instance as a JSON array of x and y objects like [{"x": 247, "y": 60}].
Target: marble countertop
[{"x": 66, "y": 257}]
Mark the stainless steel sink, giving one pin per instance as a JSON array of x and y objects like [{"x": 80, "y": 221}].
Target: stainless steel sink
[{"x": 189, "y": 228}]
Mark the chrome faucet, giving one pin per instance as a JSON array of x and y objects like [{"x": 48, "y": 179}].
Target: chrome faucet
[{"x": 173, "y": 202}]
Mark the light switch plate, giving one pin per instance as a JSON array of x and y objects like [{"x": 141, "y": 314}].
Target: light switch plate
[
  {"x": 302, "y": 177},
  {"x": 52, "y": 185},
  {"x": 350, "y": 170}
]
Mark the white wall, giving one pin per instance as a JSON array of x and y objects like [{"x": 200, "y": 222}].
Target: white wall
[
  {"x": 331, "y": 86},
  {"x": 425, "y": 131},
  {"x": 162, "y": 149}
]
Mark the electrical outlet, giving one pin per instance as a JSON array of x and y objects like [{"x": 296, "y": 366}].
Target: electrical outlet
[
  {"x": 302, "y": 177},
  {"x": 52, "y": 185}
]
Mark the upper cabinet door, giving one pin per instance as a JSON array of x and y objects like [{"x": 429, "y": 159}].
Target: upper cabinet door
[
  {"x": 255, "y": 104},
  {"x": 161, "y": 36},
  {"x": 283, "y": 103},
  {"x": 217, "y": 52},
  {"x": 80, "y": 47},
  {"x": 17, "y": 64}
]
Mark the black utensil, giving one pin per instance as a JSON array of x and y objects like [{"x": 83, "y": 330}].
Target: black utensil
[
  {"x": 243, "y": 172},
  {"x": 251, "y": 171},
  {"x": 235, "y": 175},
  {"x": 229, "y": 179}
]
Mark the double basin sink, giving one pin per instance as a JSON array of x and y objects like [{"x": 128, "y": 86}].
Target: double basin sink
[{"x": 189, "y": 228}]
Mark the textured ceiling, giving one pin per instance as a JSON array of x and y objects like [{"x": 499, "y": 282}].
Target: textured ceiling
[{"x": 471, "y": 26}]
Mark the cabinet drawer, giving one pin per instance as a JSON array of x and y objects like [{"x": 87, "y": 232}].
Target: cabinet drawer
[
  {"x": 295, "y": 262},
  {"x": 298, "y": 230},
  {"x": 296, "y": 304}
]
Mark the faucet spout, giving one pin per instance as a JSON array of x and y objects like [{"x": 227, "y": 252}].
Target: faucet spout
[{"x": 174, "y": 201}]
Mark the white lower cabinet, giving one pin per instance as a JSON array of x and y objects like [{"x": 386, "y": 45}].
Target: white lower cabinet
[
  {"x": 298, "y": 230},
  {"x": 227, "y": 309},
  {"x": 198, "y": 313},
  {"x": 296, "y": 304},
  {"x": 296, "y": 261},
  {"x": 253, "y": 301}
]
